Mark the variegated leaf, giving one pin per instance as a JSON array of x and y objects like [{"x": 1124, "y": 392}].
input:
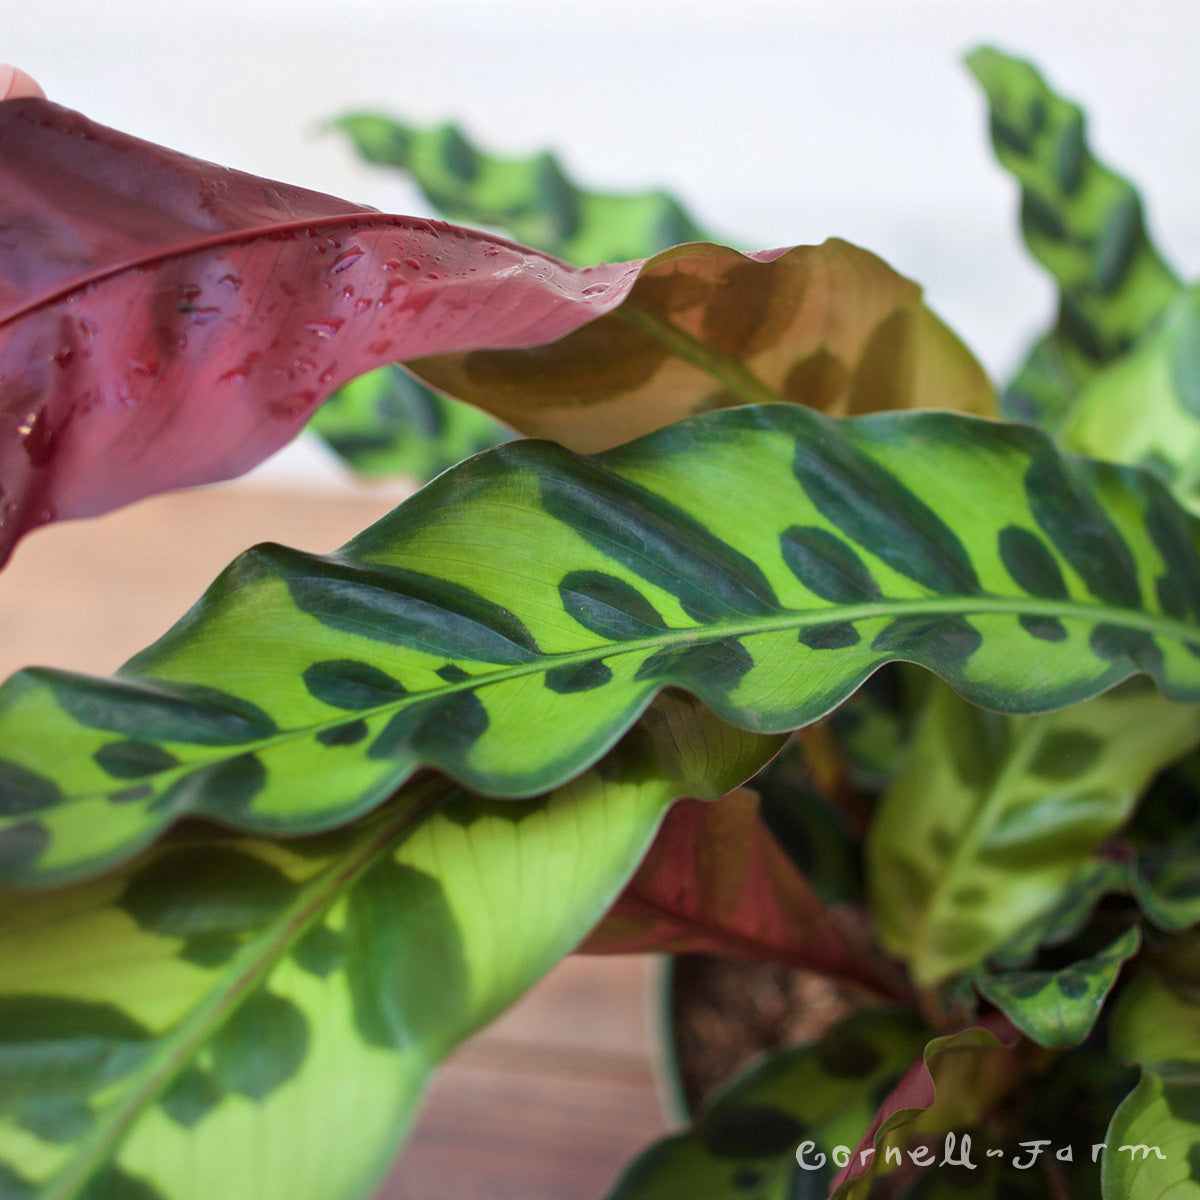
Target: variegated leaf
[
  {"x": 1059, "y": 1008},
  {"x": 532, "y": 199},
  {"x": 1084, "y": 224},
  {"x": 387, "y": 423},
  {"x": 994, "y": 815},
  {"x": 830, "y": 326},
  {"x": 807, "y": 1099},
  {"x": 1151, "y": 1145},
  {"x": 531, "y": 589},
  {"x": 1145, "y": 408},
  {"x": 233, "y": 1017}
]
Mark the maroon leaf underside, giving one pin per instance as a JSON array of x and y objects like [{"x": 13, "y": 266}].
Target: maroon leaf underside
[
  {"x": 167, "y": 322},
  {"x": 716, "y": 882}
]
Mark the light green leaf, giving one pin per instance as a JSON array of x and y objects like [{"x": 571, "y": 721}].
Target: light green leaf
[
  {"x": 1091, "y": 882},
  {"x": 1059, "y": 1008},
  {"x": 746, "y": 1144},
  {"x": 386, "y": 423},
  {"x": 232, "y": 1017},
  {"x": 533, "y": 590},
  {"x": 1145, "y": 408},
  {"x": 1084, "y": 224},
  {"x": 531, "y": 199},
  {"x": 994, "y": 815},
  {"x": 1152, "y": 1141}
]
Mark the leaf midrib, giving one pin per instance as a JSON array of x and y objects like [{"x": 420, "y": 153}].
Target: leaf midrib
[
  {"x": 996, "y": 796},
  {"x": 672, "y": 638},
  {"x": 245, "y": 971}
]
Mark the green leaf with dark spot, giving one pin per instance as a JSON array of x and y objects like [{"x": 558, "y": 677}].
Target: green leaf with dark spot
[
  {"x": 532, "y": 199},
  {"x": 1059, "y": 1008},
  {"x": 261, "y": 1046},
  {"x": 986, "y": 829},
  {"x": 745, "y": 1143},
  {"x": 385, "y": 423},
  {"x": 357, "y": 961},
  {"x": 532, "y": 588},
  {"x": 1084, "y": 224},
  {"x": 1145, "y": 408}
]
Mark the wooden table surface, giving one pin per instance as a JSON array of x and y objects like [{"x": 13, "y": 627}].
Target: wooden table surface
[{"x": 549, "y": 1101}]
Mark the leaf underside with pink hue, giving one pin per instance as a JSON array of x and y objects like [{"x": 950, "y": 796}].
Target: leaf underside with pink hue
[
  {"x": 716, "y": 881},
  {"x": 166, "y": 322}
]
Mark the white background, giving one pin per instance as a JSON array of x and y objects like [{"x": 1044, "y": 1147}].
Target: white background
[{"x": 776, "y": 122}]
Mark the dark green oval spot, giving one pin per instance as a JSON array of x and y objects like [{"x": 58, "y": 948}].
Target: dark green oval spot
[
  {"x": 353, "y": 685},
  {"x": 441, "y": 728},
  {"x": 578, "y": 677},
  {"x": 608, "y": 606},
  {"x": 827, "y": 566},
  {"x": 347, "y": 734},
  {"x": 260, "y": 1046},
  {"x": 1045, "y": 629},
  {"x": 131, "y": 759},
  {"x": 1066, "y": 754},
  {"x": 191, "y": 1097},
  {"x": 205, "y": 890},
  {"x": 750, "y": 1131},
  {"x": 832, "y": 635},
  {"x": 1029, "y": 561},
  {"x": 24, "y": 791}
]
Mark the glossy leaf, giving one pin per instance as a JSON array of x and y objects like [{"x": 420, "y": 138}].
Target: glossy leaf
[
  {"x": 745, "y": 1146},
  {"x": 950, "y": 1087},
  {"x": 386, "y": 423},
  {"x": 1059, "y": 1008},
  {"x": 1151, "y": 1142},
  {"x": 1146, "y": 407},
  {"x": 531, "y": 589},
  {"x": 531, "y": 199},
  {"x": 165, "y": 322},
  {"x": 1084, "y": 224},
  {"x": 234, "y": 1017},
  {"x": 716, "y": 882},
  {"x": 994, "y": 815}
]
